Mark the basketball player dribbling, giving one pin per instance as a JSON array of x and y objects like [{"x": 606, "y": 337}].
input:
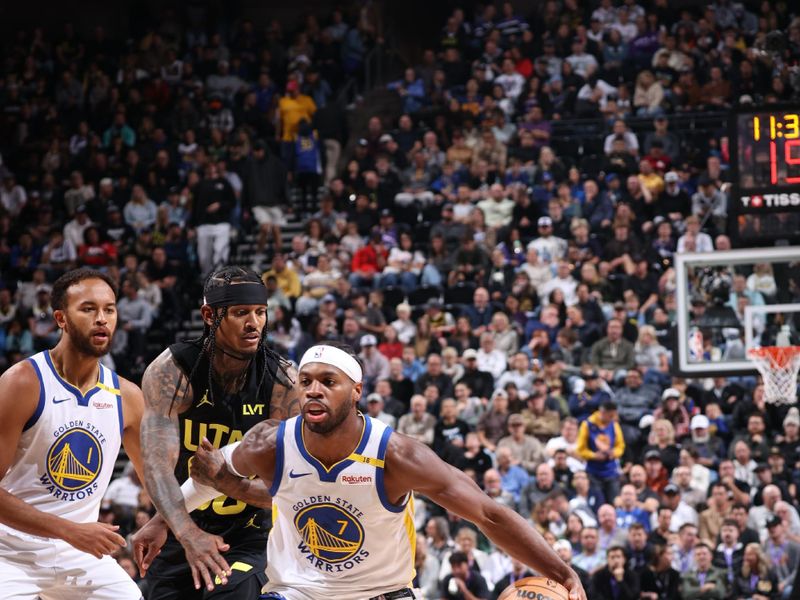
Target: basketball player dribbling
[
  {"x": 342, "y": 488},
  {"x": 64, "y": 416}
]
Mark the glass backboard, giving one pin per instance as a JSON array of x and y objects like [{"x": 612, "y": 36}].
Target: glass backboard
[{"x": 729, "y": 302}]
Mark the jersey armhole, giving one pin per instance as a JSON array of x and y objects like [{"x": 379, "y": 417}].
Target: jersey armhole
[
  {"x": 115, "y": 380},
  {"x": 40, "y": 404},
  {"x": 379, "y": 480},
  {"x": 278, "y": 475}
]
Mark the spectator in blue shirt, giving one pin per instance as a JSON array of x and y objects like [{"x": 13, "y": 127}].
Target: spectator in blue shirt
[
  {"x": 411, "y": 89},
  {"x": 412, "y": 366},
  {"x": 513, "y": 478},
  {"x": 588, "y": 395},
  {"x": 479, "y": 312},
  {"x": 628, "y": 512}
]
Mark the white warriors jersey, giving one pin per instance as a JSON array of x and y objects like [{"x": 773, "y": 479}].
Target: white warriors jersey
[
  {"x": 335, "y": 534},
  {"x": 65, "y": 457}
]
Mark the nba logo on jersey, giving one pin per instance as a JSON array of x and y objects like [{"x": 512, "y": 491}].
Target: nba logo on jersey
[
  {"x": 74, "y": 462},
  {"x": 332, "y": 537}
]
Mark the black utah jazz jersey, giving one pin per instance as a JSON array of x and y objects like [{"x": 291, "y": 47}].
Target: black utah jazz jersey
[{"x": 223, "y": 419}]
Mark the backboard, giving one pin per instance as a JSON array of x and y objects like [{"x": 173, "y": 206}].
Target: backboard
[{"x": 729, "y": 302}]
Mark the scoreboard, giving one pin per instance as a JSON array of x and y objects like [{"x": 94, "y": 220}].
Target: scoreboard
[{"x": 765, "y": 165}]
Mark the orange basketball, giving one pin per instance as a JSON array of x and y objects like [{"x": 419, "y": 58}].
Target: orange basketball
[{"x": 535, "y": 588}]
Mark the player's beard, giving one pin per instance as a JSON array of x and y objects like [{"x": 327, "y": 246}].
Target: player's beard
[
  {"x": 336, "y": 418},
  {"x": 83, "y": 342}
]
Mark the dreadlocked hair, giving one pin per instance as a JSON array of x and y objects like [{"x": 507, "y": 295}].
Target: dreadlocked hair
[{"x": 223, "y": 277}]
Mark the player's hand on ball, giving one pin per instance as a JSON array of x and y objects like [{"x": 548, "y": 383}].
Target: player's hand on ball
[
  {"x": 208, "y": 467},
  {"x": 203, "y": 555},
  {"x": 147, "y": 543},
  {"x": 575, "y": 588},
  {"x": 96, "y": 539}
]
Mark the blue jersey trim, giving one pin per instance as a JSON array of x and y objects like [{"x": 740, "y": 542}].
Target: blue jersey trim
[
  {"x": 379, "y": 483},
  {"x": 40, "y": 405},
  {"x": 82, "y": 400},
  {"x": 276, "y": 478},
  {"x": 115, "y": 379},
  {"x": 330, "y": 475}
]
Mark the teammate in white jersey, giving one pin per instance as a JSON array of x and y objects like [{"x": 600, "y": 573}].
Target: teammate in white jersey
[
  {"x": 64, "y": 416},
  {"x": 342, "y": 487}
]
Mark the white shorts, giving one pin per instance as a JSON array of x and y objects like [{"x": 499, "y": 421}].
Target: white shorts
[
  {"x": 33, "y": 567},
  {"x": 269, "y": 215}
]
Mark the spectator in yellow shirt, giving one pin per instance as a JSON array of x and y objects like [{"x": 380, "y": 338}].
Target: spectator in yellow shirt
[
  {"x": 288, "y": 280},
  {"x": 650, "y": 179},
  {"x": 293, "y": 108}
]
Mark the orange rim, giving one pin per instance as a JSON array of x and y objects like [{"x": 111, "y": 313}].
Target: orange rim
[{"x": 779, "y": 356}]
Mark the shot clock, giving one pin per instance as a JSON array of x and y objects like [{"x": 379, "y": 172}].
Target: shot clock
[
  {"x": 765, "y": 167},
  {"x": 769, "y": 142}
]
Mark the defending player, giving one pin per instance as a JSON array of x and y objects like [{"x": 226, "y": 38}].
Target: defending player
[
  {"x": 342, "y": 485},
  {"x": 64, "y": 416},
  {"x": 218, "y": 387}
]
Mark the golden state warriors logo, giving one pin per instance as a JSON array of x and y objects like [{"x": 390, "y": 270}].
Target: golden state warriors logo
[
  {"x": 603, "y": 442},
  {"x": 75, "y": 460},
  {"x": 330, "y": 533}
]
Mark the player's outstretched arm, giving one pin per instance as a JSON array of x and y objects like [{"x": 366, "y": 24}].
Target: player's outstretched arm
[
  {"x": 212, "y": 476},
  {"x": 166, "y": 395},
  {"x": 19, "y": 398},
  {"x": 253, "y": 455},
  {"x": 413, "y": 466}
]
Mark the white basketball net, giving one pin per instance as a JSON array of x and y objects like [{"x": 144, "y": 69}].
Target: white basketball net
[{"x": 778, "y": 366}]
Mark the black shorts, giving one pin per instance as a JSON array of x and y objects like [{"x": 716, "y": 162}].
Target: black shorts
[{"x": 167, "y": 580}]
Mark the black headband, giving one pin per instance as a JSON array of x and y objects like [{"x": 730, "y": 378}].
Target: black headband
[{"x": 236, "y": 294}]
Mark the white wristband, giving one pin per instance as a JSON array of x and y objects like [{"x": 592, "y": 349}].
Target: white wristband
[
  {"x": 196, "y": 494},
  {"x": 227, "y": 452}
]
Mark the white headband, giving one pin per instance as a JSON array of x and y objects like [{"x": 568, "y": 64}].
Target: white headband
[{"x": 330, "y": 355}]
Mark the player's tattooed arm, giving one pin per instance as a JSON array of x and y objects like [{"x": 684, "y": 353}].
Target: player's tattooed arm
[
  {"x": 285, "y": 401},
  {"x": 166, "y": 395},
  {"x": 209, "y": 468}
]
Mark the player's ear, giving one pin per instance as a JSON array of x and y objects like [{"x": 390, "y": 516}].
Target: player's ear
[
  {"x": 60, "y": 318},
  {"x": 357, "y": 389},
  {"x": 208, "y": 314}
]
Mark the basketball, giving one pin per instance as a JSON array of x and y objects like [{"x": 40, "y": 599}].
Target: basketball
[{"x": 535, "y": 588}]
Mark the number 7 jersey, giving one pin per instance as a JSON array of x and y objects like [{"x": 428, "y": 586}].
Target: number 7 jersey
[{"x": 335, "y": 534}]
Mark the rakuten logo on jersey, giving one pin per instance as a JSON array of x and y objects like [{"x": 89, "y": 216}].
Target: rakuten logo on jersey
[
  {"x": 356, "y": 479},
  {"x": 771, "y": 200}
]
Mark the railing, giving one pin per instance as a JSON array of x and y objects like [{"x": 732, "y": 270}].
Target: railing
[{"x": 584, "y": 136}]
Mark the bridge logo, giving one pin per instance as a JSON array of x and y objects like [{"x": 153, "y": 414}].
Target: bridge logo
[
  {"x": 74, "y": 460},
  {"x": 330, "y": 533}
]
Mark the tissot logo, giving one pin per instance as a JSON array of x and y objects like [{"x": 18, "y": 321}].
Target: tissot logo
[{"x": 771, "y": 200}]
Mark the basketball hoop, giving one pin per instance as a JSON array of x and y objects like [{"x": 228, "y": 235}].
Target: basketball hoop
[{"x": 778, "y": 366}]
